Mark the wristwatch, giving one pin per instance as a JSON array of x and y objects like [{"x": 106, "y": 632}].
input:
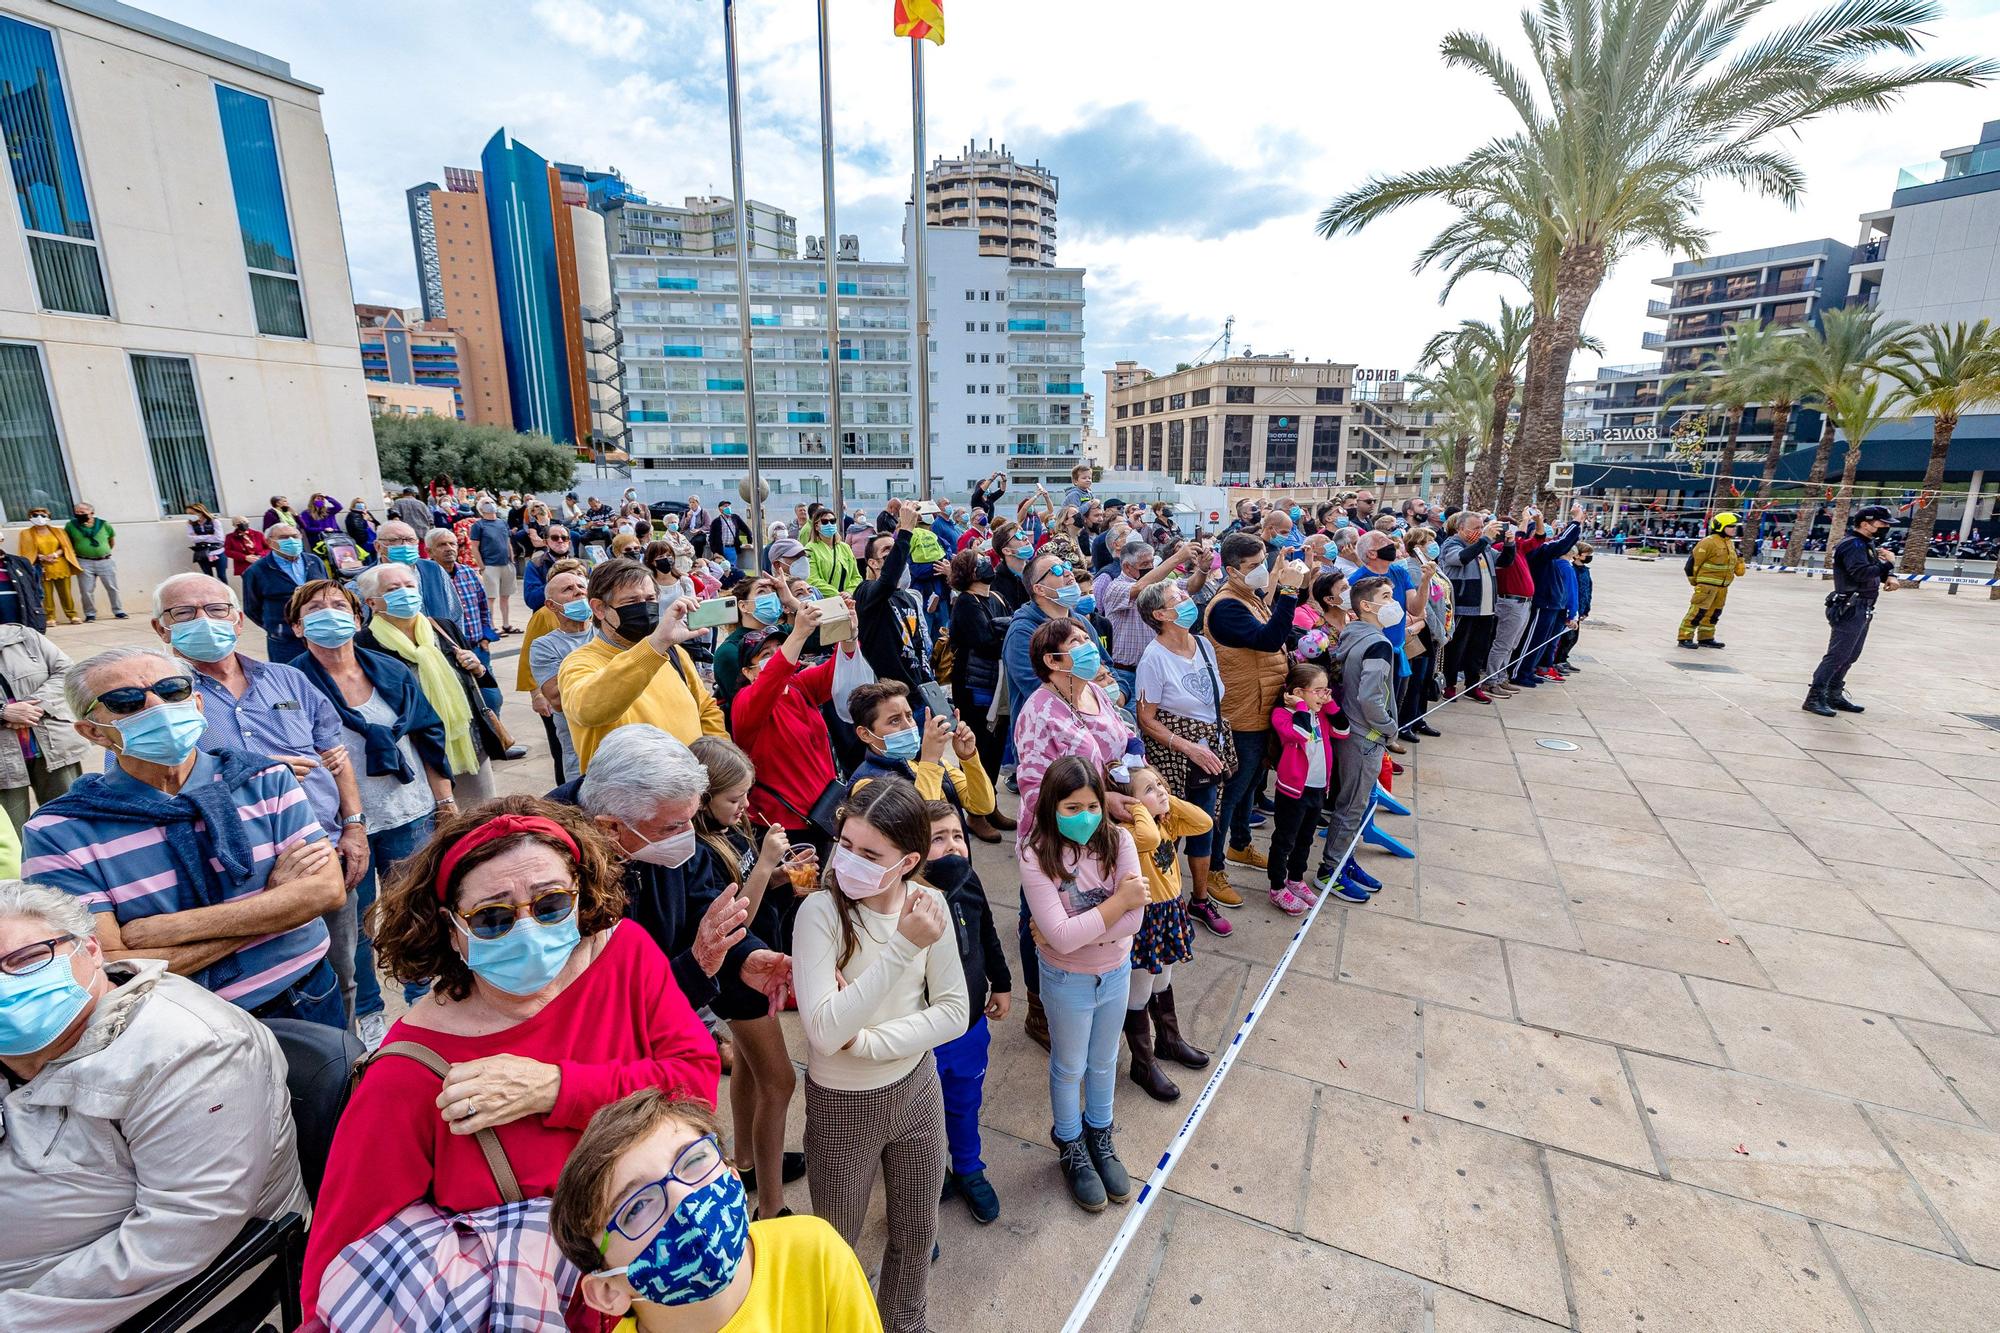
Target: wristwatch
[{"x": 352, "y": 820}]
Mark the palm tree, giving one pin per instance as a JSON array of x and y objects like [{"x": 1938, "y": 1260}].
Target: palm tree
[
  {"x": 1632, "y": 106},
  {"x": 1861, "y": 408},
  {"x": 1459, "y": 393},
  {"x": 1946, "y": 371},
  {"x": 1503, "y": 347},
  {"x": 1782, "y": 391},
  {"x": 1849, "y": 345}
]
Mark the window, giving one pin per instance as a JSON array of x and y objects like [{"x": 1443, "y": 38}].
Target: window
[
  {"x": 31, "y": 461},
  {"x": 1176, "y": 401},
  {"x": 1329, "y": 395},
  {"x": 171, "y": 413},
  {"x": 1326, "y": 443},
  {"x": 1199, "y": 398},
  {"x": 1157, "y": 405},
  {"x": 986, "y": 296},
  {"x": 1118, "y": 448},
  {"x": 251, "y": 143},
  {"x": 1198, "y": 447},
  {"x": 971, "y": 418},
  {"x": 1238, "y": 393},
  {"x": 968, "y": 358},
  {"x": 48, "y": 176},
  {"x": 1153, "y": 447},
  {"x": 984, "y": 358},
  {"x": 985, "y": 328},
  {"x": 969, "y": 388},
  {"x": 1121, "y": 411},
  {"x": 968, "y": 294},
  {"x": 969, "y": 327},
  {"x": 999, "y": 358},
  {"x": 1176, "y": 440},
  {"x": 1236, "y": 446}
]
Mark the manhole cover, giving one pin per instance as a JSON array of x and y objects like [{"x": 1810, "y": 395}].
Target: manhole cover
[
  {"x": 1983, "y": 719},
  {"x": 1547, "y": 744},
  {"x": 1705, "y": 666}
]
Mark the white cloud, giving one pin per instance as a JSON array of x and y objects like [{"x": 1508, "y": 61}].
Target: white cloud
[{"x": 616, "y": 35}]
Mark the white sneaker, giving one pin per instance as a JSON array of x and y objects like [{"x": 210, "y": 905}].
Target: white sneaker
[{"x": 371, "y": 1028}]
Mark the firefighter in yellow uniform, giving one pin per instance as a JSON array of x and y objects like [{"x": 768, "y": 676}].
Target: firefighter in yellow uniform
[{"x": 1712, "y": 567}]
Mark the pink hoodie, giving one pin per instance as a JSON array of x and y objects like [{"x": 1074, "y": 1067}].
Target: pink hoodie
[{"x": 1293, "y": 741}]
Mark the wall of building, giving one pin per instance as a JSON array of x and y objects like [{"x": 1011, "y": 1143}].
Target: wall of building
[
  {"x": 408, "y": 400},
  {"x": 465, "y": 264}
]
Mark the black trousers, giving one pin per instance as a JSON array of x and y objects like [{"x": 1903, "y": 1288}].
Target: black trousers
[
  {"x": 1471, "y": 642},
  {"x": 1294, "y": 828},
  {"x": 1413, "y": 692},
  {"x": 555, "y": 748},
  {"x": 1843, "y": 647}
]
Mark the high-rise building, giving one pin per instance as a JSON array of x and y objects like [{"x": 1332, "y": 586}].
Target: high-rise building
[
  {"x": 179, "y": 322},
  {"x": 704, "y": 225},
  {"x": 1933, "y": 255},
  {"x": 1010, "y": 205},
  {"x": 423, "y": 355}
]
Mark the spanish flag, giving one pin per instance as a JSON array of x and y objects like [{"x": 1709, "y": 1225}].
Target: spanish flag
[{"x": 920, "y": 18}]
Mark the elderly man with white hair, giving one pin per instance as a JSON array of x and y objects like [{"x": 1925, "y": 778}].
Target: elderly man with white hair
[
  {"x": 210, "y": 859},
  {"x": 490, "y": 534},
  {"x": 146, "y": 1120},
  {"x": 396, "y": 543},
  {"x": 270, "y": 582}
]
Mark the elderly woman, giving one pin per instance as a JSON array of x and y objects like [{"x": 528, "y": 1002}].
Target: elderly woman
[
  {"x": 1188, "y": 740},
  {"x": 146, "y": 1120},
  {"x": 396, "y": 750},
  {"x": 546, "y": 1005},
  {"x": 47, "y": 754},
  {"x": 448, "y": 673}
]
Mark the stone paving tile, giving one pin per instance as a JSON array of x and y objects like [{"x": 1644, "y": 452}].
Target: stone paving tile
[
  {"x": 1902, "y": 799},
  {"x": 1342, "y": 1036},
  {"x": 1965, "y": 958},
  {"x": 1945, "y": 763},
  {"x": 1987, "y": 1006},
  {"x": 1249, "y": 1156},
  {"x": 1986, "y": 789},
  {"x": 1653, "y": 1255},
  {"x": 1426, "y": 962},
  {"x": 1543, "y": 768},
  {"x": 1589, "y": 750},
  {"x": 1470, "y": 775},
  {"x": 1840, "y": 806},
  {"x": 1634, "y": 717},
  {"x": 1944, "y": 898},
  {"x": 1443, "y": 1200},
  {"x": 1969, "y": 1061},
  {"x": 1807, "y": 904},
  {"x": 1873, "y": 846},
  {"x": 1581, "y": 805},
  {"x": 1958, "y": 1167},
  {"x": 1745, "y": 848},
  {"x": 1835, "y": 739},
  {"x": 1612, "y": 848},
  {"x": 1763, "y": 770},
  {"x": 1758, "y": 1140},
  {"x": 1916, "y": 771},
  {"x": 1453, "y": 1312},
  {"x": 1685, "y": 773},
  {"x": 1477, "y": 809},
  {"x": 1508, "y": 855},
  {"x": 1492, "y": 906},
  {"x": 1704, "y": 806},
  {"x": 1978, "y": 838},
  {"x": 1877, "y": 976},
  {"x": 1724, "y": 957},
  {"x": 1612, "y": 1001},
  {"x": 1824, "y": 1046},
  {"x": 1904, "y": 1290},
  {"x": 1641, "y": 901},
  {"x": 1536, "y": 1085},
  {"x": 1646, "y": 744}
]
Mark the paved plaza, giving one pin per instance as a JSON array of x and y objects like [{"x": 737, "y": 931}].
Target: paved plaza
[{"x": 1688, "y": 1029}]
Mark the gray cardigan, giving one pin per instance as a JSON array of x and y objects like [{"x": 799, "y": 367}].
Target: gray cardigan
[{"x": 34, "y": 668}]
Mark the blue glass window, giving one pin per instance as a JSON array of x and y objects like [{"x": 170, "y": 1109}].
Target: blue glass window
[
  {"x": 251, "y": 142},
  {"x": 175, "y": 435},
  {"x": 48, "y": 178}
]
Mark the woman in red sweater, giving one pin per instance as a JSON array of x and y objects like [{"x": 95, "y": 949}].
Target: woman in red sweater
[
  {"x": 545, "y": 1003},
  {"x": 775, "y": 719}
]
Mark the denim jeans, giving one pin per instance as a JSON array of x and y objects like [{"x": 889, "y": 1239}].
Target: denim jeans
[
  {"x": 1239, "y": 796},
  {"x": 314, "y": 997},
  {"x": 1086, "y": 1018},
  {"x": 385, "y": 849},
  {"x": 1203, "y": 792}
]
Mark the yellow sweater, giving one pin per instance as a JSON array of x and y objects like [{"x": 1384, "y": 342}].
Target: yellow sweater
[
  {"x": 973, "y": 788},
  {"x": 604, "y": 687},
  {"x": 1155, "y": 840}
]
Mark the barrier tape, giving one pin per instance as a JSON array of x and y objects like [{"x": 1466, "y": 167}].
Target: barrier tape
[
  {"x": 1900, "y": 578},
  {"x": 1135, "y": 1216}
]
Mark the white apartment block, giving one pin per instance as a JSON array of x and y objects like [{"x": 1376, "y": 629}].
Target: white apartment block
[
  {"x": 703, "y": 225},
  {"x": 176, "y": 323}
]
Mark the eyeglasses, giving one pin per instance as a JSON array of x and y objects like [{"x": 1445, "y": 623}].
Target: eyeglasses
[
  {"x": 494, "y": 920},
  {"x": 31, "y": 958},
  {"x": 180, "y": 615},
  {"x": 639, "y": 1216},
  {"x": 129, "y": 699}
]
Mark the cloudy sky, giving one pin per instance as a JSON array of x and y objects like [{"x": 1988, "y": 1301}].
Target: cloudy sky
[{"x": 1195, "y": 142}]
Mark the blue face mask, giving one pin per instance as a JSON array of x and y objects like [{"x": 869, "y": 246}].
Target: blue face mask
[
  {"x": 1024, "y": 553},
  {"x": 1085, "y": 661},
  {"x": 902, "y": 744},
  {"x": 577, "y": 610},
  {"x": 1086, "y": 604},
  {"x": 767, "y": 608},
  {"x": 403, "y": 603},
  {"x": 526, "y": 958},
  {"x": 403, "y": 553},
  {"x": 1296, "y": 513},
  {"x": 163, "y": 734},
  {"x": 694, "y": 1254},
  {"x": 1079, "y": 827},
  {"x": 1431, "y": 550},
  {"x": 203, "y": 640},
  {"x": 1068, "y": 595},
  {"x": 1186, "y": 614},
  {"x": 289, "y": 547},
  {"x": 829, "y": 531},
  {"x": 329, "y": 627},
  {"x": 38, "y": 1008}
]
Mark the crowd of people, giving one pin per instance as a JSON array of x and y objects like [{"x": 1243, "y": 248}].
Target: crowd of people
[{"x": 772, "y": 749}]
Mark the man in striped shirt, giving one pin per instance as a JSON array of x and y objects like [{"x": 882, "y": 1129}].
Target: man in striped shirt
[{"x": 145, "y": 845}]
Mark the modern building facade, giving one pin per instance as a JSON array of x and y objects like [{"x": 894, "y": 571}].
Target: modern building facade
[
  {"x": 423, "y": 355},
  {"x": 176, "y": 323},
  {"x": 703, "y": 225},
  {"x": 1933, "y": 255},
  {"x": 1264, "y": 421},
  {"x": 409, "y": 400},
  {"x": 1010, "y": 205}
]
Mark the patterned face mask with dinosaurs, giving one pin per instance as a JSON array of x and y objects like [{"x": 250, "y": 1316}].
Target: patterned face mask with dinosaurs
[{"x": 694, "y": 1254}]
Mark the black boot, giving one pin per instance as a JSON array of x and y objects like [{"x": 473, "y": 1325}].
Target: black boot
[
  {"x": 1111, "y": 1173},
  {"x": 1146, "y": 1071},
  {"x": 1080, "y": 1173},
  {"x": 1816, "y": 703},
  {"x": 1836, "y": 697},
  {"x": 1167, "y": 1033}
]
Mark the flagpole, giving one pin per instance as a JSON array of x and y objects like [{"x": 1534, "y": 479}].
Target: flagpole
[
  {"x": 920, "y": 298},
  {"x": 754, "y": 498},
  {"x": 835, "y": 429}
]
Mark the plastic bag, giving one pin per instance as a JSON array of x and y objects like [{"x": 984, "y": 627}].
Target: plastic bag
[{"x": 850, "y": 672}]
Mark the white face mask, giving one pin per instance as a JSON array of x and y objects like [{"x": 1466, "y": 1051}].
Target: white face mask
[
  {"x": 1258, "y": 578},
  {"x": 857, "y": 876},
  {"x": 1389, "y": 613},
  {"x": 671, "y": 852}
]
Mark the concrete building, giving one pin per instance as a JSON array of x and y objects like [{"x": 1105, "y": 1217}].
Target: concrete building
[
  {"x": 387, "y": 399},
  {"x": 1010, "y": 205},
  {"x": 1263, "y": 421},
  {"x": 1933, "y": 255},
  {"x": 176, "y": 324},
  {"x": 703, "y": 225},
  {"x": 425, "y": 355}
]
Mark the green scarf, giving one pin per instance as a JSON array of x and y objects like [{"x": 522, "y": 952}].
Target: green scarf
[{"x": 441, "y": 686}]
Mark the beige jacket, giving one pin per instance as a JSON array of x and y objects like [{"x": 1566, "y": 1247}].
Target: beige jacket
[{"x": 34, "y": 668}]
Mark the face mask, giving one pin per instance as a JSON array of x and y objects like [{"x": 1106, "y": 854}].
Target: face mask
[
  {"x": 948, "y": 872},
  {"x": 289, "y": 547},
  {"x": 403, "y": 553},
  {"x": 1079, "y": 827},
  {"x": 1186, "y": 614},
  {"x": 1024, "y": 553},
  {"x": 1068, "y": 595},
  {"x": 1258, "y": 579},
  {"x": 1431, "y": 550},
  {"x": 673, "y": 525},
  {"x": 637, "y": 621},
  {"x": 577, "y": 610},
  {"x": 767, "y": 608},
  {"x": 1085, "y": 661},
  {"x": 39, "y": 520},
  {"x": 403, "y": 603},
  {"x": 80, "y": 516},
  {"x": 800, "y": 568},
  {"x": 203, "y": 640},
  {"x": 38, "y": 1008},
  {"x": 829, "y": 531},
  {"x": 857, "y": 876},
  {"x": 694, "y": 1254},
  {"x": 1086, "y": 604},
  {"x": 329, "y": 627},
  {"x": 1389, "y": 614},
  {"x": 723, "y": 510},
  {"x": 165, "y": 734},
  {"x": 1295, "y": 513},
  {"x": 982, "y": 571},
  {"x": 525, "y": 959},
  {"x": 625, "y": 529},
  {"x": 672, "y": 852},
  {"x": 902, "y": 744},
  {"x": 904, "y": 581}
]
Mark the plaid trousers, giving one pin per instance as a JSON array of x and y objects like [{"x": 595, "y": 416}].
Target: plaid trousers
[{"x": 899, "y": 1129}]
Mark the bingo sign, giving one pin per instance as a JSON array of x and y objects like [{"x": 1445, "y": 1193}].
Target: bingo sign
[{"x": 1370, "y": 375}]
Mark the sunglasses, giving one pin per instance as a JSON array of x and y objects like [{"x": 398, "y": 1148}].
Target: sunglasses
[
  {"x": 492, "y": 921},
  {"x": 129, "y": 699}
]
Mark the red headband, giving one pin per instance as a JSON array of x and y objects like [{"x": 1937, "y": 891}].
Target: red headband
[{"x": 500, "y": 826}]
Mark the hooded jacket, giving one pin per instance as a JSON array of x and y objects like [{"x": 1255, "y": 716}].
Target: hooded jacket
[{"x": 1367, "y": 681}]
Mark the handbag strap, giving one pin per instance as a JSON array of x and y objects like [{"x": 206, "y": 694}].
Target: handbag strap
[
  {"x": 489, "y": 1142},
  {"x": 1203, "y": 651},
  {"x": 805, "y": 820}
]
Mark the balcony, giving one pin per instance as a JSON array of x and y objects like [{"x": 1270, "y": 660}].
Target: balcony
[
  {"x": 1652, "y": 340},
  {"x": 1656, "y": 310},
  {"x": 1875, "y": 252}
]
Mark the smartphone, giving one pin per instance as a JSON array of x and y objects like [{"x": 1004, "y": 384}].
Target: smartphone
[
  {"x": 834, "y": 624},
  {"x": 713, "y": 612},
  {"x": 937, "y": 701}
]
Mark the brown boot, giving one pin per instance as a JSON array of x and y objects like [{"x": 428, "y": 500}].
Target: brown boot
[
  {"x": 979, "y": 827},
  {"x": 1146, "y": 1071},
  {"x": 1001, "y": 820},
  {"x": 1038, "y": 1022},
  {"x": 1167, "y": 1024}
]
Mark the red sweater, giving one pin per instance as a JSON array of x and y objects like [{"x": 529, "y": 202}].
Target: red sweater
[
  {"x": 1516, "y": 580},
  {"x": 776, "y": 719},
  {"x": 621, "y": 1026}
]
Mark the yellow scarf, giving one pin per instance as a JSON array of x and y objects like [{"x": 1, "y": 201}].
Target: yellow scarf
[{"x": 440, "y": 683}]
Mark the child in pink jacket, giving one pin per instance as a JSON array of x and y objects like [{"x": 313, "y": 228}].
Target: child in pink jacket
[{"x": 1308, "y": 721}]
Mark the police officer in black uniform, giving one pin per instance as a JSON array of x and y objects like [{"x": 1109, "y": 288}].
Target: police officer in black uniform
[{"x": 1861, "y": 570}]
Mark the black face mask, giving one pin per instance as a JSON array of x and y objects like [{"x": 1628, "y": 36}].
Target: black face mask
[
  {"x": 983, "y": 571},
  {"x": 947, "y": 872},
  {"x": 638, "y": 620}
]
